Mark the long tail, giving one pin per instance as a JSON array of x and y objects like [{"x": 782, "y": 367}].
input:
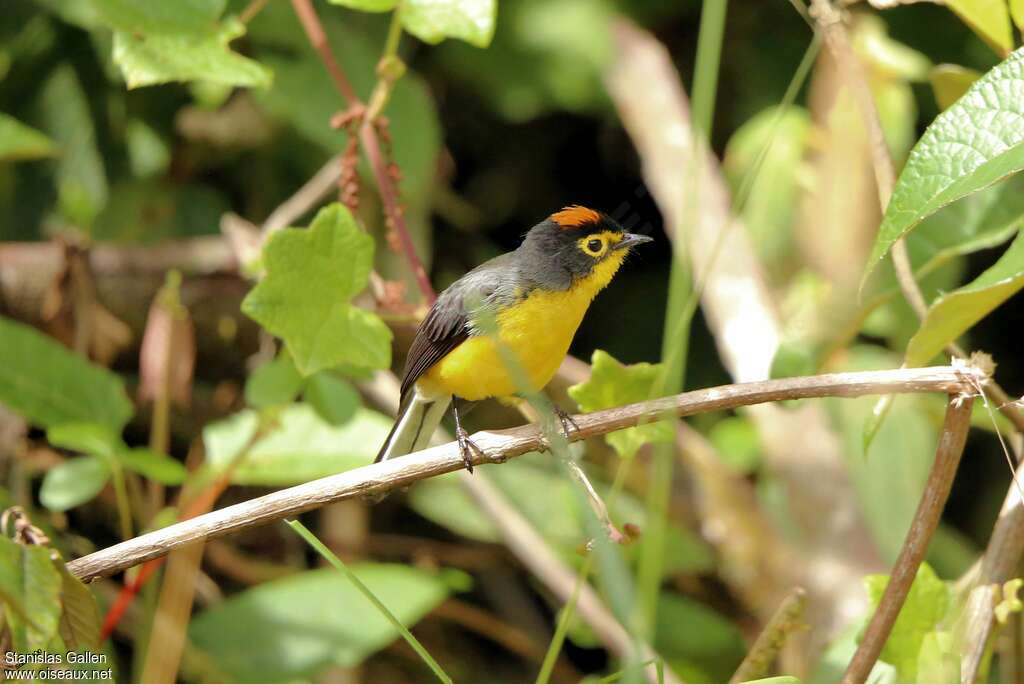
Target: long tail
[{"x": 417, "y": 419}]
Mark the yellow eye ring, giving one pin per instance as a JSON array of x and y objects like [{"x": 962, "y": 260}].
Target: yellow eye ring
[{"x": 594, "y": 246}]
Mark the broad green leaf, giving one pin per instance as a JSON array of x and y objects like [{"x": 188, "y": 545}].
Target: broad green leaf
[
  {"x": 274, "y": 383},
  {"x": 18, "y": 141},
  {"x": 613, "y": 384},
  {"x": 989, "y": 19},
  {"x": 937, "y": 661},
  {"x": 953, "y": 314},
  {"x": 692, "y": 631},
  {"x": 950, "y": 82},
  {"x": 88, "y": 438},
  {"x": 887, "y": 57},
  {"x": 162, "y": 58},
  {"x": 334, "y": 399},
  {"x": 367, "y": 5},
  {"x": 158, "y": 42},
  {"x": 48, "y": 385},
  {"x": 141, "y": 16},
  {"x": 304, "y": 298},
  {"x": 79, "y": 625},
  {"x": 924, "y": 609},
  {"x": 301, "y": 447},
  {"x": 293, "y": 628},
  {"x": 81, "y": 178},
  {"x": 784, "y": 679},
  {"x": 74, "y": 482},
  {"x": 971, "y": 145},
  {"x": 434, "y": 20},
  {"x": 28, "y": 574},
  {"x": 154, "y": 465}
]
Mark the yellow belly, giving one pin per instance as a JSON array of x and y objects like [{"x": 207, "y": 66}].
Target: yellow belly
[{"x": 538, "y": 330}]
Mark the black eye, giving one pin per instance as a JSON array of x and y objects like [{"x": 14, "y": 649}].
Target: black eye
[{"x": 594, "y": 246}]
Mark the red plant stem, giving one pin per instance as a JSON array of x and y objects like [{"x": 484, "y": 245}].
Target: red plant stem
[
  {"x": 203, "y": 503},
  {"x": 318, "y": 39},
  {"x": 389, "y": 196},
  {"x": 371, "y": 144}
]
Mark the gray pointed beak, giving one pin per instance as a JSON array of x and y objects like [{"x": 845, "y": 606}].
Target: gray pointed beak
[{"x": 631, "y": 240}]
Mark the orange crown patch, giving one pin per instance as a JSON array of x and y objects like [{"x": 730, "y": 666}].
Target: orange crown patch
[{"x": 575, "y": 216}]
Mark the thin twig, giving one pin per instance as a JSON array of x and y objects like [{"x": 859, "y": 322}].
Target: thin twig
[
  {"x": 998, "y": 565},
  {"x": 787, "y": 619},
  {"x": 535, "y": 553},
  {"x": 370, "y": 142},
  {"x": 318, "y": 39},
  {"x": 305, "y": 198},
  {"x": 926, "y": 519},
  {"x": 499, "y": 446}
]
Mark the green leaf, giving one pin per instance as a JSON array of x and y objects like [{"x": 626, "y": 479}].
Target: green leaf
[
  {"x": 74, "y": 482},
  {"x": 367, "y": 5},
  {"x": 300, "y": 448},
  {"x": 28, "y": 574},
  {"x": 157, "y": 42},
  {"x": 81, "y": 178},
  {"x": 971, "y": 145},
  {"x": 612, "y": 384},
  {"x": 154, "y": 465},
  {"x": 937, "y": 661},
  {"x": 334, "y": 399},
  {"x": 155, "y": 58},
  {"x": 87, "y": 438},
  {"x": 700, "y": 635},
  {"x": 295, "y": 627},
  {"x": 784, "y": 679},
  {"x": 950, "y": 82},
  {"x": 18, "y": 141},
  {"x": 953, "y": 314},
  {"x": 274, "y": 383},
  {"x": 434, "y": 20},
  {"x": 48, "y": 385},
  {"x": 79, "y": 626},
  {"x": 304, "y": 298},
  {"x": 148, "y": 153},
  {"x": 925, "y": 607},
  {"x": 989, "y": 19}
]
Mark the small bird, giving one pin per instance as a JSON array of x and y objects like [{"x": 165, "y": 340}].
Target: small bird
[{"x": 536, "y": 295}]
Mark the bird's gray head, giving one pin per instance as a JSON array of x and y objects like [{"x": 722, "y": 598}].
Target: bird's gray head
[{"x": 570, "y": 244}]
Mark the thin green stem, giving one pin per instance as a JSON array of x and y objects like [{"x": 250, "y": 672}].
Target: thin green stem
[
  {"x": 331, "y": 558},
  {"x": 394, "y": 33},
  {"x": 124, "y": 509},
  {"x": 555, "y": 647},
  {"x": 678, "y": 318}
]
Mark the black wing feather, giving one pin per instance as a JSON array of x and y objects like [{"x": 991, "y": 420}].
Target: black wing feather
[
  {"x": 441, "y": 331},
  {"x": 447, "y": 323}
]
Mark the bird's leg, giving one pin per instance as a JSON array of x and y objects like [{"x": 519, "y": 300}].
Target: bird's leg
[
  {"x": 466, "y": 445},
  {"x": 565, "y": 419}
]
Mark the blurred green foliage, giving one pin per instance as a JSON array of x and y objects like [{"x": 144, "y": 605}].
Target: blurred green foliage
[{"x": 488, "y": 132}]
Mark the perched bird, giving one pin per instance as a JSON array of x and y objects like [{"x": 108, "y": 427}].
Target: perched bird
[{"x": 536, "y": 296}]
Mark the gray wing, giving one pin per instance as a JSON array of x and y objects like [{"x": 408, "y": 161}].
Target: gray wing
[{"x": 447, "y": 324}]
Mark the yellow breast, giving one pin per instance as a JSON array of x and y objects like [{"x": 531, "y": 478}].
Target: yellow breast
[{"x": 538, "y": 330}]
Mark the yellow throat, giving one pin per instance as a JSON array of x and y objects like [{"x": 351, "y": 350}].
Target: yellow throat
[{"x": 538, "y": 330}]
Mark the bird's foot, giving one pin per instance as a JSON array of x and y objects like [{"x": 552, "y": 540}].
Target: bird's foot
[
  {"x": 467, "y": 447},
  {"x": 566, "y": 421}
]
